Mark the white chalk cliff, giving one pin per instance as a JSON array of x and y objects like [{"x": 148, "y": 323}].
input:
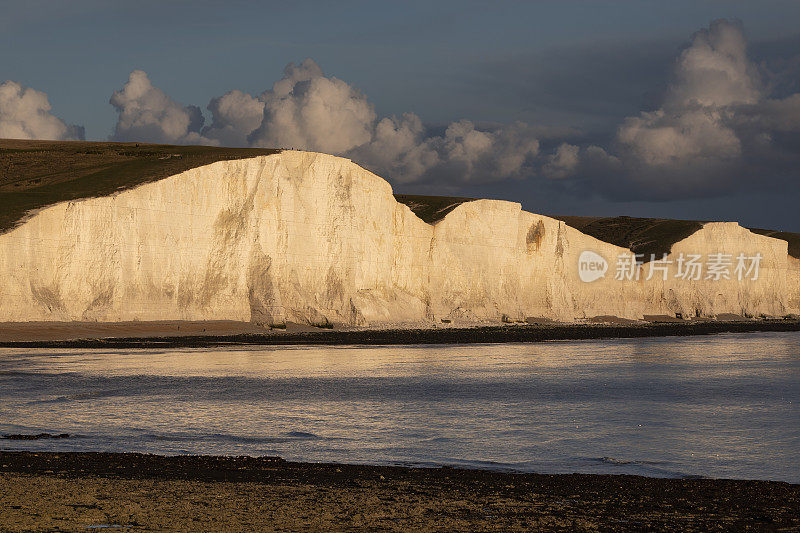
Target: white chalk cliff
[{"x": 313, "y": 238}]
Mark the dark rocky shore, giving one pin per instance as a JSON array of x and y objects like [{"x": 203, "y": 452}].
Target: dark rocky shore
[
  {"x": 66, "y": 491},
  {"x": 444, "y": 335}
]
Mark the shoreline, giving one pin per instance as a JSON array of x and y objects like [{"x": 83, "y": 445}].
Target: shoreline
[
  {"x": 106, "y": 336},
  {"x": 45, "y": 490}
]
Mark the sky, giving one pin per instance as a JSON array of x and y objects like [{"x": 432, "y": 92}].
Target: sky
[{"x": 680, "y": 109}]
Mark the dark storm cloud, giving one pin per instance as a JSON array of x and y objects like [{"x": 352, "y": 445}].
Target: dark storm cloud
[{"x": 589, "y": 85}]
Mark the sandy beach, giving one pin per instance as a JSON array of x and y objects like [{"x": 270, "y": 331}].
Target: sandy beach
[
  {"x": 69, "y": 491},
  {"x": 175, "y": 334}
]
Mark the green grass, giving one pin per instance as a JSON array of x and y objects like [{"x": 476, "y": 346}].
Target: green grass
[
  {"x": 792, "y": 238},
  {"x": 647, "y": 236},
  {"x": 431, "y": 209},
  {"x": 654, "y": 235},
  {"x": 36, "y": 174}
]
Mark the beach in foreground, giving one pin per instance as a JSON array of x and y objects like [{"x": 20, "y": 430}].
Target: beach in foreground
[
  {"x": 176, "y": 334},
  {"x": 67, "y": 491}
]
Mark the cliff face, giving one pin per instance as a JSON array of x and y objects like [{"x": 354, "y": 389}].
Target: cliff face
[{"x": 312, "y": 238}]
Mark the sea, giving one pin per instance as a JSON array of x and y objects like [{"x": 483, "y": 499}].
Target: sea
[{"x": 718, "y": 406}]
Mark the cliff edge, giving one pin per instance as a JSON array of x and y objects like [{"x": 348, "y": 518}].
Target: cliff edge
[{"x": 316, "y": 239}]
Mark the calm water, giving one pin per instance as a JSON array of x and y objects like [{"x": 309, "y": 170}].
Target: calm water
[{"x": 721, "y": 406}]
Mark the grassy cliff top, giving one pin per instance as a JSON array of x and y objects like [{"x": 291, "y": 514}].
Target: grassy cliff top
[
  {"x": 792, "y": 238},
  {"x": 640, "y": 235},
  {"x": 656, "y": 235},
  {"x": 35, "y": 174},
  {"x": 431, "y": 209}
]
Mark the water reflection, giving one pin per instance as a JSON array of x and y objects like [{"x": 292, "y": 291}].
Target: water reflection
[{"x": 723, "y": 405}]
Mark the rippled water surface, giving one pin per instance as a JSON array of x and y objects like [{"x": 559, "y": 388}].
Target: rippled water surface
[{"x": 720, "y": 406}]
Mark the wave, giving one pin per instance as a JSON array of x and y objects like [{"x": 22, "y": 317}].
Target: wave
[
  {"x": 79, "y": 396},
  {"x": 613, "y": 460},
  {"x": 290, "y": 436},
  {"x": 642, "y": 467}
]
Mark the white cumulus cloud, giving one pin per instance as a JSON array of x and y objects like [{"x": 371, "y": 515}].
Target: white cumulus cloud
[
  {"x": 25, "y": 114},
  {"x": 235, "y": 115},
  {"x": 401, "y": 149},
  {"x": 147, "y": 114},
  {"x": 711, "y": 74},
  {"x": 714, "y": 131},
  {"x": 714, "y": 69},
  {"x": 307, "y": 110},
  {"x": 562, "y": 162}
]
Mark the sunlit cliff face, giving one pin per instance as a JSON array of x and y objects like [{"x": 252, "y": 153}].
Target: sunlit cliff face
[{"x": 315, "y": 239}]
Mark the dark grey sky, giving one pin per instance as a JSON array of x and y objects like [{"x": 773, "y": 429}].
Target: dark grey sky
[{"x": 573, "y": 71}]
